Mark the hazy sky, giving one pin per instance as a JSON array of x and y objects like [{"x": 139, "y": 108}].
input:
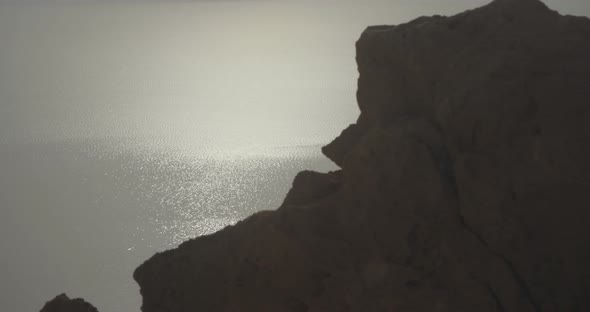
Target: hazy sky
[
  {"x": 570, "y": 6},
  {"x": 165, "y": 67}
]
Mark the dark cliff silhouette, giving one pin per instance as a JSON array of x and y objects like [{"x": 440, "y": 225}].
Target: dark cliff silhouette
[
  {"x": 62, "y": 303},
  {"x": 464, "y": 184}
]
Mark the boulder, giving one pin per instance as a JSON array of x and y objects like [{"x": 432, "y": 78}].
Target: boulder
[{"x": 62, "y": 303}]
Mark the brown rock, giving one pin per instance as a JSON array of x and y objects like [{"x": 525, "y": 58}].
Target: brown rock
[
  {"x": 336, "y": 150},
  {"x": 310, "y": 186},
  {"x": 464, "y": 185},
  {"x": 62, "y": 303}
]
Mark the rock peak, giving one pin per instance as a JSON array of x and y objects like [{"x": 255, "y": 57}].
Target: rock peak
[
  {"x": 62, "y": 303},
  {"x": 520, "y": 4}
]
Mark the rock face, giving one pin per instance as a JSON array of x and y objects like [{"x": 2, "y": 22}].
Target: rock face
[
  {"x": 62, "y": 303},
  {"x": 464, "y": 186}
]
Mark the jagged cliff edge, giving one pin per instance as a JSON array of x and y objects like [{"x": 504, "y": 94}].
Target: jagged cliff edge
[{"x": 464, "y": 184}]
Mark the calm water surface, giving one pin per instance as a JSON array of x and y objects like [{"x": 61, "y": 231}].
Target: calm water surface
[
  {"x": 79, "y": 216},
  {"x": 127, "y": 129}
]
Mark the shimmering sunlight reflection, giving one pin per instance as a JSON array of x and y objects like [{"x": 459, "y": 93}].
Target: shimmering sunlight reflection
[{"x": 184, "y": 195}]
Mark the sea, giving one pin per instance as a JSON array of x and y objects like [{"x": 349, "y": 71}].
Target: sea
[{"x": 78, "y": 216}]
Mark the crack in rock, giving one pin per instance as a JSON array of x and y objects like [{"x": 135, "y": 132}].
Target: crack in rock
[{"x": 444, "y": 161}]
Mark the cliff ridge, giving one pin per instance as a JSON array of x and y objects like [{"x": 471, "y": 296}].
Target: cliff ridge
[{"x": 463, "y": 186}]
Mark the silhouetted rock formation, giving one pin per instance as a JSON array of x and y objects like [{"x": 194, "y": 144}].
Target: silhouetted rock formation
[
  {"x": 464, "y": 186},
  {"x": 62, "y": 303}
]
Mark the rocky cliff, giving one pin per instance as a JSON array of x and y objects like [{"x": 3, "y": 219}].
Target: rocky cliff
[
  {"x": 63, "y": 303},
  {"x": 464, "y": 185}
]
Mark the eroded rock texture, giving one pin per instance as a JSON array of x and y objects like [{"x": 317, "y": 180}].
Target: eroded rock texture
[
  {"x": 464, "y": 186},
  {"x": 62, "y": 303}
]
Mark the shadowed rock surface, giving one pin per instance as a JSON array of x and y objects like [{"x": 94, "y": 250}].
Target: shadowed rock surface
[
  {"x": 62, "y": 303},
  {"x": 464, "y": 184}
]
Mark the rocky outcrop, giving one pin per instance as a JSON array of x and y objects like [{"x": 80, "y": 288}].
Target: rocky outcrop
[
  {"x": 62, "y": 303},
  {"x": 310, "y": 186},
  {"x": 464, "y": 184}
]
